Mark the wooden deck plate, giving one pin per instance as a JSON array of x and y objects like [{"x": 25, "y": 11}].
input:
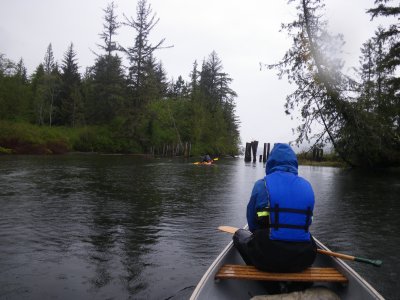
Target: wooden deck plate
[{"x": 251, "y": 273}]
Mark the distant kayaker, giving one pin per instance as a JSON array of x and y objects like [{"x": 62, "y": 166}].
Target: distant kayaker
[
  {"x": 279, "y": 214},
  {"x": 206, "y": 158}
]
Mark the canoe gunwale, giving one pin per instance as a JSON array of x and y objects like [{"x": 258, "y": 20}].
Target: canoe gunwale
[{"x": 211, "y": 269}]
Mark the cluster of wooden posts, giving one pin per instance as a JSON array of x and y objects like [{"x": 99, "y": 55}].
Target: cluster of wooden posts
[
  {"x": 252, "y": 148},
  {"x": 171, "y": 150},
  {"x": 317, "y": 153}
]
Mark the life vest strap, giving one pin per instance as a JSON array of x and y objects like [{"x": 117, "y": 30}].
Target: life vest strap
[
  {"x": 263, "y": 212},
  {"x": 280, "y": 225},
  {"x": 276, "y": 210}
]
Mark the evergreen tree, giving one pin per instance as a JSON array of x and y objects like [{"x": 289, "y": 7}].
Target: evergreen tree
[
  {"x": 194, "y": 81},
  {"x": 106, "y": 84},
  {"x": 141, "y": 53},
  {"x": 51, "y": 84},
  {"x": 219, "y": 124},
  {"x": 353, "y": 124},
  {"x": 14, "y": 90},
  {"x": 390, "y": 42},
  {"x": 49, "y": 62},
  {"x": 312, "y": 63},
  {"x": 38, "y": 93},
  {"x": 179, "y": 89},
  {"x": 373, "y": 78},
  {"x": 21, "y": 72},
  {"x": 70, "y": 106},
  {"x": 110, "y": 27},
  {"x": 6, "y": 66},
  {"x": 107, "y": 90},
  {"x": 214, "y": 83}
]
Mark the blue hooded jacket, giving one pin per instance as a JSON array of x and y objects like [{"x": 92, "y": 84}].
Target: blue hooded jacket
[{"x": 282, "y": 188}]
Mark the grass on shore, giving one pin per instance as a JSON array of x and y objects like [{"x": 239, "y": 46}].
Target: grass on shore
[
  {"x": 328, "y": 160},
  {"x": 25, "y": 138}
]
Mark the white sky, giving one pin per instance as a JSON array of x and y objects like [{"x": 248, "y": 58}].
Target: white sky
[{"x": 243, "y": 33}]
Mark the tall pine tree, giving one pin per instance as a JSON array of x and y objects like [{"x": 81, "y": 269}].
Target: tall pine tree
[
  {"x": 106, "y": 83},
  {"x": 141, "y": 53},
  {"x": 70, "y": 103}
]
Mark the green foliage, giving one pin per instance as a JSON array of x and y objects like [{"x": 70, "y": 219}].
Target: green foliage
[
  {"x": 103, "y": 139},
  {"x": 105, "y": 90},
  {"x": 5, "y": 150},
  {"x": 14, "y": 99},
  {"x": 27, "y": 138},
  {"x": 70, "y": 102},
  {"x": 127, "y": 113},
  {"x": 15, "y": 92}
]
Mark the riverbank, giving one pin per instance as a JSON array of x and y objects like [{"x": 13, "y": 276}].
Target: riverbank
[
  {"x": 114, "y": 138},
  {"x": 25, "y": 138},
  {"x": 323, "y": 163},
  {"x": 327, "y": 160}
]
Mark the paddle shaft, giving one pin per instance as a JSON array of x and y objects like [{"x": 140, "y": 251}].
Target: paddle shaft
[{"x": 376, "y": 263}]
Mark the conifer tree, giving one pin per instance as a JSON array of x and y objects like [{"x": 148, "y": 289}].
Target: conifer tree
[
  {"x": 51, "y": 84},
  {"x": 38, "y": 91},
  {"x": 49, "y": 61},
  {"x": 179, "y": 89},
  {"x": 14, "y": 90},
  {"x": 21, "y": 72},
  {"x": 110, "y": 27},
  {"x": 194, "y": 80},
  {"x": 141, "y": 53},
  {"x": 214, "y": 83},
  {"x": 106, "y": 82},
  {"x": 70, "y": 105},
  {"x": 390, "y": 42},
  {"x": 312, "y": 63}
]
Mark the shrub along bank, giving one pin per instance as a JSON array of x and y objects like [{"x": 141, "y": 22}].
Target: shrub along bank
[{"x": 25, "y": 138}]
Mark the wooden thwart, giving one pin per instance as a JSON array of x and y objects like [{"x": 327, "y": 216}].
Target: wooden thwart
[{"x": 251, "y": 273}]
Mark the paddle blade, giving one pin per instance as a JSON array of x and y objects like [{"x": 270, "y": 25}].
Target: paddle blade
[
  {"x": 228, "y": 229},
  {"x": 376, "y": 263},
  {"x": 215, "y": 158}
]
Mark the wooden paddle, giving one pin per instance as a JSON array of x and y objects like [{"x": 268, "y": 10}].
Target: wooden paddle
[{"x": 376, "y": 263}]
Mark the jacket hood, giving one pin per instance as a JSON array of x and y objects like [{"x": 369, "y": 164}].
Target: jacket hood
[{"x": 282, "y": 158}]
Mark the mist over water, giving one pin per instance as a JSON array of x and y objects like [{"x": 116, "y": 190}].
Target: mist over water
[{"x": 118, "y": 227}]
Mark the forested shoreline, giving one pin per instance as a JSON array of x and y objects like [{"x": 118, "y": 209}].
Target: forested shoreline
[
  {"x": 117, "y": 109},
  {"x": 134, "y": 108}
]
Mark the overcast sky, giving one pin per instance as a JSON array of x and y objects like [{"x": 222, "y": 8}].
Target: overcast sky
[{"x": 243, "y": 33}]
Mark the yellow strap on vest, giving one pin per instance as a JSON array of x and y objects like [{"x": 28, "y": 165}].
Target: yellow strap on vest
[{"x": 262, "y": 214}]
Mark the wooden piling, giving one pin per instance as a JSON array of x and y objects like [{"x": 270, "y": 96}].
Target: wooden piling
[
  {"x": 265, "y": 153},
  {"x": 320, "y": 154},
  {"x": 247, "y": 153},
  {"x": 254, "y": 145}
]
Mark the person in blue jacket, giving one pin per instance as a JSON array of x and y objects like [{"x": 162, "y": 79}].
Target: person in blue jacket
[
  {"x": 206, "y": 158},
  {"x": 279, "y": 215}
]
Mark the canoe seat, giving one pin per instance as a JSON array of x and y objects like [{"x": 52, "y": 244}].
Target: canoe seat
[{"x": 251, "y": 273}]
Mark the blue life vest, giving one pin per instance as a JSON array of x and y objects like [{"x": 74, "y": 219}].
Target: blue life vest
[{"x": 288, "y": 206}]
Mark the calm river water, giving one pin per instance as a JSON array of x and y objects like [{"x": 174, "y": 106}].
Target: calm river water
[{"x": 124, "y": 227}]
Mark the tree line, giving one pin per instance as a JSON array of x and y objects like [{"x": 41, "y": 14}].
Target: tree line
[
  {"x": 359, "y": 114},
  {"x": 135, "y": 108}
]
